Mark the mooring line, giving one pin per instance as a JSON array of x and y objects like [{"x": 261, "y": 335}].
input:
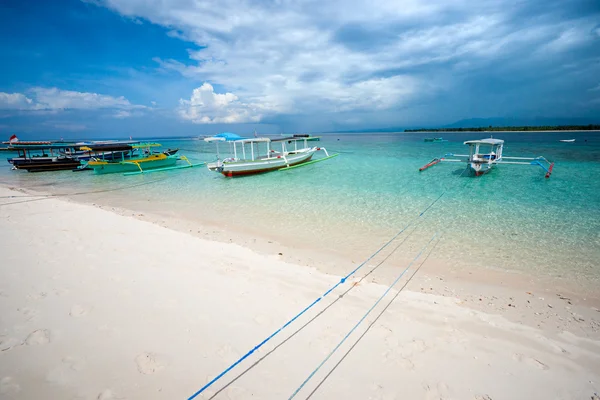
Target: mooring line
[
  {"x": 361, "y": 320},
  {"x": 342, "y": 281},
  {"x": 373, "y": 322},
  {"x": 38, "y": 197},
  {"x": 313, "y": 318}
]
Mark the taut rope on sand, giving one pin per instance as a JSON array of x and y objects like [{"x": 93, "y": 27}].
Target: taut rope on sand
[{"x": 342, "y": 281}]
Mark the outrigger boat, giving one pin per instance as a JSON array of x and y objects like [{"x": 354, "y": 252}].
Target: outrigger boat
[
  {"x": 250, "y": 159},
  {"x": 485, "y": 154},
  {"x": 50, "y": 159},
  {"x": 567, "y": 140},
  {"x": 147, "y": 161}
]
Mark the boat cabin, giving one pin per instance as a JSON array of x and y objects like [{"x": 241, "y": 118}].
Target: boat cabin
[{"x": 485, "y": 150}]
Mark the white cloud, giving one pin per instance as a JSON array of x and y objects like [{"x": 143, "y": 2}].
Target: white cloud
[
  {"x": 567, "y": 39},
  {"x": 15, "y": 101},
  {"x": 56, "y": 99},
  {"x": 341, "y": 55},
  {"x": 207, "y": 107},
  {"x": 53, "y": 98},
  {"x": 122, "y": 114}
]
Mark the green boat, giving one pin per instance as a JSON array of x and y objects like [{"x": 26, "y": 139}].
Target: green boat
[{"x": 147, "y": 160}]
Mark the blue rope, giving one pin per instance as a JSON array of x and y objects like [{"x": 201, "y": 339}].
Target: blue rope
[
  {"x": 361, "y": 320},
  {"x": 342, "y": 280}
]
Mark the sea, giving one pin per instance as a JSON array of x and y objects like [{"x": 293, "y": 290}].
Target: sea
[{"x": 512, "y": 219}]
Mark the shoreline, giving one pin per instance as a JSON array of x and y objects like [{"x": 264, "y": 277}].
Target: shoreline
[
  {"x": 330, "y": 261},
  {"x": 495, "y": 287},
  {"x": 106, "y": 306}
]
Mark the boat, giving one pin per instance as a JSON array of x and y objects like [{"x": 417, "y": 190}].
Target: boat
[
  {"x": 130, "y": 161},
  {"x": 257, "y": 155},
  {"x": 485, "y": 154},
  {"x": 308, "y": 137},
  {"x": 133, "y": 163},
  {"x": 437, "y": 139},
  {"x": 567, "y": 140},
  {"x": 42, "y": 158}
]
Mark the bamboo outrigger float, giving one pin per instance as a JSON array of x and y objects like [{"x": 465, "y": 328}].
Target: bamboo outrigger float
[
  {"x": 485, "y": 154},
  {"x": 251, "y": 161}
]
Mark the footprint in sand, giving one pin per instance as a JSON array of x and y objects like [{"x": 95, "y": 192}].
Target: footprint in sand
[
  {"x": 7, "y": 343},
  {"x": 483, "y": 397},
  {"x": 41, "y": 336},
  {"x": 78, "y": 311},
  {"x": 438, "y": 391},
  {"x": 29, "y": 313},
  {"x": 147, "y": 363},
  {"x": 9, "y": 386},
  {"x": 530, "y": 361}
]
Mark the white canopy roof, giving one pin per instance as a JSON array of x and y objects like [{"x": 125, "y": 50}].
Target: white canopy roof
[{"x": 490, "y": 141}]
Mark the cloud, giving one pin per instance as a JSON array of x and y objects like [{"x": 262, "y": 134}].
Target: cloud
[
  {"x": 207, "y": 107},
  {"x": 53, "y": 98},
  {"x": 308, "y": 57},
  {"x": 122, "y": 114},
  {"x": 56, "y": 99},
  {"x": 14, "y": 101}
]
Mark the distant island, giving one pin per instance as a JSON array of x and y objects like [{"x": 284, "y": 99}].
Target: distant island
[{"x": 590, "y": 127}]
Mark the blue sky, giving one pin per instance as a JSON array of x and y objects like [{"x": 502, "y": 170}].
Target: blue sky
[{"x": 102, "y": 68}]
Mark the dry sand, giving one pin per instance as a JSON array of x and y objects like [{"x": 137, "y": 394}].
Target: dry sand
[{"x": 96, "y": 305}]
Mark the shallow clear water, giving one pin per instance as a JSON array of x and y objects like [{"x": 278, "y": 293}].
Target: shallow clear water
[{"x": 512, "y": 218}]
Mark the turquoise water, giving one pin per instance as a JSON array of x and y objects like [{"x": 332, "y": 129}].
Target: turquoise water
[{"x": 512, "y": 218}]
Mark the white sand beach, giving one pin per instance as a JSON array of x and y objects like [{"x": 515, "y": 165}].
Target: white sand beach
[{"x": 97, "y": 305}]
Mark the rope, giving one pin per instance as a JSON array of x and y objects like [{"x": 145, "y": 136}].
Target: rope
[
  {"x": 313, "y": 318},
  {"x": 361, "y": 320},
  {"x": 342, "y": 281},
  {"x": 48, "y": 196},
  {"x": 373, "y": 322}
]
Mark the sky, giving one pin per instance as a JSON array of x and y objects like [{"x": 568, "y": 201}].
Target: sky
[{"x": 144, "y": 68}]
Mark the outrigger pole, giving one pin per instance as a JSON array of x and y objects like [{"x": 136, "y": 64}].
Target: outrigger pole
[
  {"x": 184, "y": 158},
  {"x": 310, "y": 162},
  {"x": 537, "y": 161}
]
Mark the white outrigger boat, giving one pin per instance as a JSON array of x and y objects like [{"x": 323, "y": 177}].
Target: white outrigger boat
[
  {"x": 253, "y": 158},
  {"x": 485, "y": 154}
]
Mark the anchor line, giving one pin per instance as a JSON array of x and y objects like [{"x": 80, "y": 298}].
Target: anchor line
[
  {"x": 315, "y": 317},
  {"x": 38, "y": 197},
  {"x": 342, "y": 281},
  {"x": 374, "y": 321},
  {"x": 361, "y": 320}
]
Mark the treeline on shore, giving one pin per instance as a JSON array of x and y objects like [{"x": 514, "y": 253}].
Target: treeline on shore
[{"x": 590, "y": 127}]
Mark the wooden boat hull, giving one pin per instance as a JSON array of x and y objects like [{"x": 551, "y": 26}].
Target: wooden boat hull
[
  {"x": 246, "y": 167},
  {"x": 56, "y": 164},
  {"x": 151, "y": 162}
]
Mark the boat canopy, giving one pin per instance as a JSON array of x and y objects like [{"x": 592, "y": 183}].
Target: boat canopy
[
  {"x": 104, "y": 147},
  {"x": 224, "y": 137},
  {"x": 41, "y": 146},
  {"x": 489, "y": 141}
]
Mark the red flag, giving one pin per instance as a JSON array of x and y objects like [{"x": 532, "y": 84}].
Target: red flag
[{"x": 13, "y": 139}]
